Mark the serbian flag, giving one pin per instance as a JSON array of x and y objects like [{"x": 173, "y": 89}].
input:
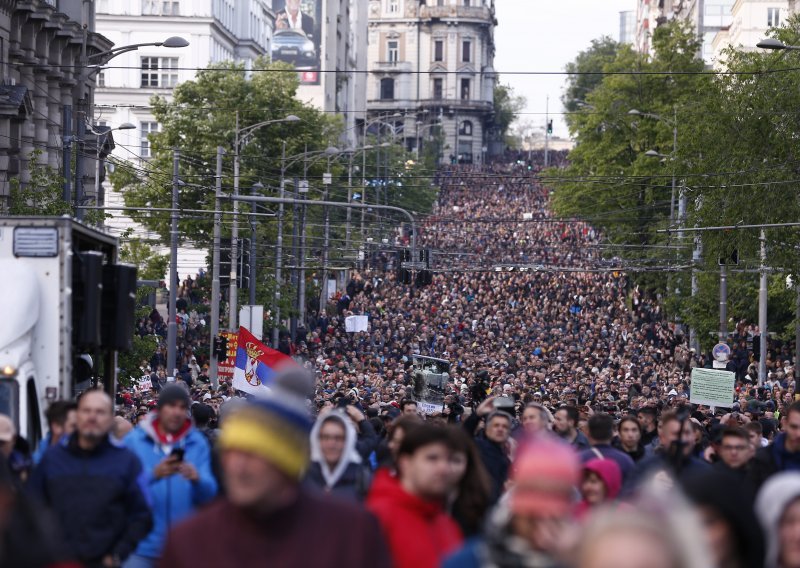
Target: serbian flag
[{"x": 256, "y": 364}]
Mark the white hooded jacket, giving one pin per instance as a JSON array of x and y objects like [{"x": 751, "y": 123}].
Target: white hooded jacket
[
  {"x": 349, "y": 453},
  {"x": 777, "y": 493}
]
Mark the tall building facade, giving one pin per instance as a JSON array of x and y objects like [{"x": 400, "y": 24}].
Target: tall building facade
[
  {"x": 750, "y": 22},
  {"x": 217, "y": 31},
  {"x": 627, "y": 27},
  {"x": 45, "y": 86},
  {"x": 432, "y": 74},
  {"x": 341, "y": 85},
  {"x": 706, "y": 16}
]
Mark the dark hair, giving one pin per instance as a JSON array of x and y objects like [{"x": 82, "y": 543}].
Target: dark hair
[
  {"x": 58, "y": 411},
  {"x": 648, "y": 410},
  {"x": 202, "y": 414},
  {"x": 794, "y": 407},
  {"x": 736, "y": 432},
  {"x": 601, "y": 427},
  {"x": 572, "y": 414},
  {"x": 755, "y": 427},
  {"x": 407, "y": 401},
  {"x": 632, "y": 419},
  {"x": 474, "y": 488},
  {"x": 422, "y": 434}
]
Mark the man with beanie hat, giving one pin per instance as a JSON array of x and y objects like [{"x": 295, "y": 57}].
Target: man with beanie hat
[
  {"x": 177, "y": 459},
  {"x": 267, "y": 516}
]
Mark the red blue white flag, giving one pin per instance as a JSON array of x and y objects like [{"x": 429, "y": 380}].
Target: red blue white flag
[{"x": 256, "y": 364}]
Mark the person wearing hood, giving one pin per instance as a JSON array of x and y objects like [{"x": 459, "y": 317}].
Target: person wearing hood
[
  {"x": 336, "y": 466},
  {"x": 529, "y": 527},
  {"x": 778, "y": 510},
  {"x": 783, "y": 454},
  {"x": 601, "y": 483},
  {"x": 177, "y": 459}
]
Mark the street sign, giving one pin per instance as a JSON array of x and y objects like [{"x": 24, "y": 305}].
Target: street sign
[
  {"x": 302, "y": 187},
  {"x": 410, "y": 265},
  {"x": 721, "y": 352},
  {"x": 327, "y": 178}
]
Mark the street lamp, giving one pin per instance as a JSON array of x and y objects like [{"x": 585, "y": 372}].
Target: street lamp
[
  {"x": 79, "y": 94},
  {"x": 241, "y": 136},
  {"x": 102, "y": 136},
  {"x": 775, "y": 44}
]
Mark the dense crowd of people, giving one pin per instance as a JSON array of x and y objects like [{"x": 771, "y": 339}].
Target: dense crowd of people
[{"x": 561, "y": 433}]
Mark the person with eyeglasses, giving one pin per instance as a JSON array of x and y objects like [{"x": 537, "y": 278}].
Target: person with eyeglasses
[{"x": 734, "y": 451}]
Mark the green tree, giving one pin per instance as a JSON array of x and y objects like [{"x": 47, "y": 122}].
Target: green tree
[
  {"x": 610, "y": 180},
  {"x": 507, "y": 106},
  {"x": 585, "y": 73}
]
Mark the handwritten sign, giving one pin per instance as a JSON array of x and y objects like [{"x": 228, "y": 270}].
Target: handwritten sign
[
  {"x": 428, "y": 408},
  {"x": 712, "y": 387}
]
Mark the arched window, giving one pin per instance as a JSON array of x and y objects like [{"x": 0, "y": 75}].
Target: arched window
[{"x": 465, "y": 129}]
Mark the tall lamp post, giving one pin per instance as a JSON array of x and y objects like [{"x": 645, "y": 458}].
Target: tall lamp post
[
  {"x": 241, "y": 137},
  {"x": 102, "y": 136},
  {"x": 89, "y": 65}
]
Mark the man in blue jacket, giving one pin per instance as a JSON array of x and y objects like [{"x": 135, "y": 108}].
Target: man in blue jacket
[
  {"x": 177, "y": 460},
  {"x": 94, "y": 488}
]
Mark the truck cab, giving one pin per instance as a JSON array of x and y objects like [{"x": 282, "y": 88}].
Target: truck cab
[{"x": 68, "y": 307}]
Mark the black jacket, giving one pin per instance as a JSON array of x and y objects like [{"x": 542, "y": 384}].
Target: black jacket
[
  {"x": 493, "y": 456},
  {"x": 97, "y": 498}
]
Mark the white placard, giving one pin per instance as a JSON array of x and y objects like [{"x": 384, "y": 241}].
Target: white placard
[
  {"x": 712, "y": 387},
  {"x": 354, "y": 324},
  {"x": 428, "y": 408}
]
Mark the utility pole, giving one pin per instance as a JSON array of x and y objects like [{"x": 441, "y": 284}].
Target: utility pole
[
  {"x": 213, "y": 371},
  {"x": 326, "y": 182},
  {"x": 66, "y": 195},
  {"x": 276, "y": 296},
  {"x": 172, "y": 326},
  {"x": 295, "y": 256},
  {"x": 349, "y": 200},
  {"x": 723, "y": 303},
  {"x": 301, "y": 283},
  {"x": 233, "y": 292},
  {"x": 257, "y": 187},
  {"x": 79, "y": 164},
  {"x": 797, "y": 339},
  {"x": 694, "y": 341},
  {"x": 762, "y": 312}
]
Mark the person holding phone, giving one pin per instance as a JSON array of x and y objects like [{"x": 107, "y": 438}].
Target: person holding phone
[{"x": 177, "y": 458}]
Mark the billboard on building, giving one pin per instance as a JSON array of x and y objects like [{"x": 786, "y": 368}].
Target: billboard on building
[{"x": 297, "y": 37}]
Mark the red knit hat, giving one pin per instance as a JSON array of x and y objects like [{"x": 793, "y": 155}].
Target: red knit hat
[{"x": 545, "y": 475}]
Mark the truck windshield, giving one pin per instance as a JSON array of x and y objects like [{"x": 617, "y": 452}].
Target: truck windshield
[{"x": 9, "y": 400}]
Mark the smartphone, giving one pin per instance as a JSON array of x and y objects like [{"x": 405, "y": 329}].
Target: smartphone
[{"x": 178, "y": 453}]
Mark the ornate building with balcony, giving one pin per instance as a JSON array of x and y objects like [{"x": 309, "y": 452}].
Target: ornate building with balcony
[
  {"x": 432, "y": 75},
  {"x": 42, "y": 81}
]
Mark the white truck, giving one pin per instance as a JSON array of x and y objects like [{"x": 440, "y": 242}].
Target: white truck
[{"x": 67, "y": 306}]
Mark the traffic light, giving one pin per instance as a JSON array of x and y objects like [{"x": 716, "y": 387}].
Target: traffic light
[
  {"x": 730, "y": 259},
  {"x": 404, "y": 276},
  {"x": 221, "y": 347},
  {"x": 549, "y": 126}
]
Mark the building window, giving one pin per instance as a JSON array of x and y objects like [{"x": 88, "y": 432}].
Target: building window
[
  {"x": 387, "y": 89},
  {"x": 393, "y": 51},
  {"x": 394, "y": 6},
  {"x": 466, "y": 51},
  {"x": 438, "y": 89},
  {"x": 146, "y": 129},
  {"x": 101, "y": 79},
  {"x": 465, "y": 128},
  {"x": 438, "y": 50},
  {"x": 465, "y": 83},
  {"x": 161, "y": 7},
  {"x": 159, "y": 72},
  {"x": 773, "y": 17}
]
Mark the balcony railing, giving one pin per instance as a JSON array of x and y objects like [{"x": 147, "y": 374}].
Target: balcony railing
[
  {"x": 396, "y": 66},
  {"x": 483, "y": 13}
]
